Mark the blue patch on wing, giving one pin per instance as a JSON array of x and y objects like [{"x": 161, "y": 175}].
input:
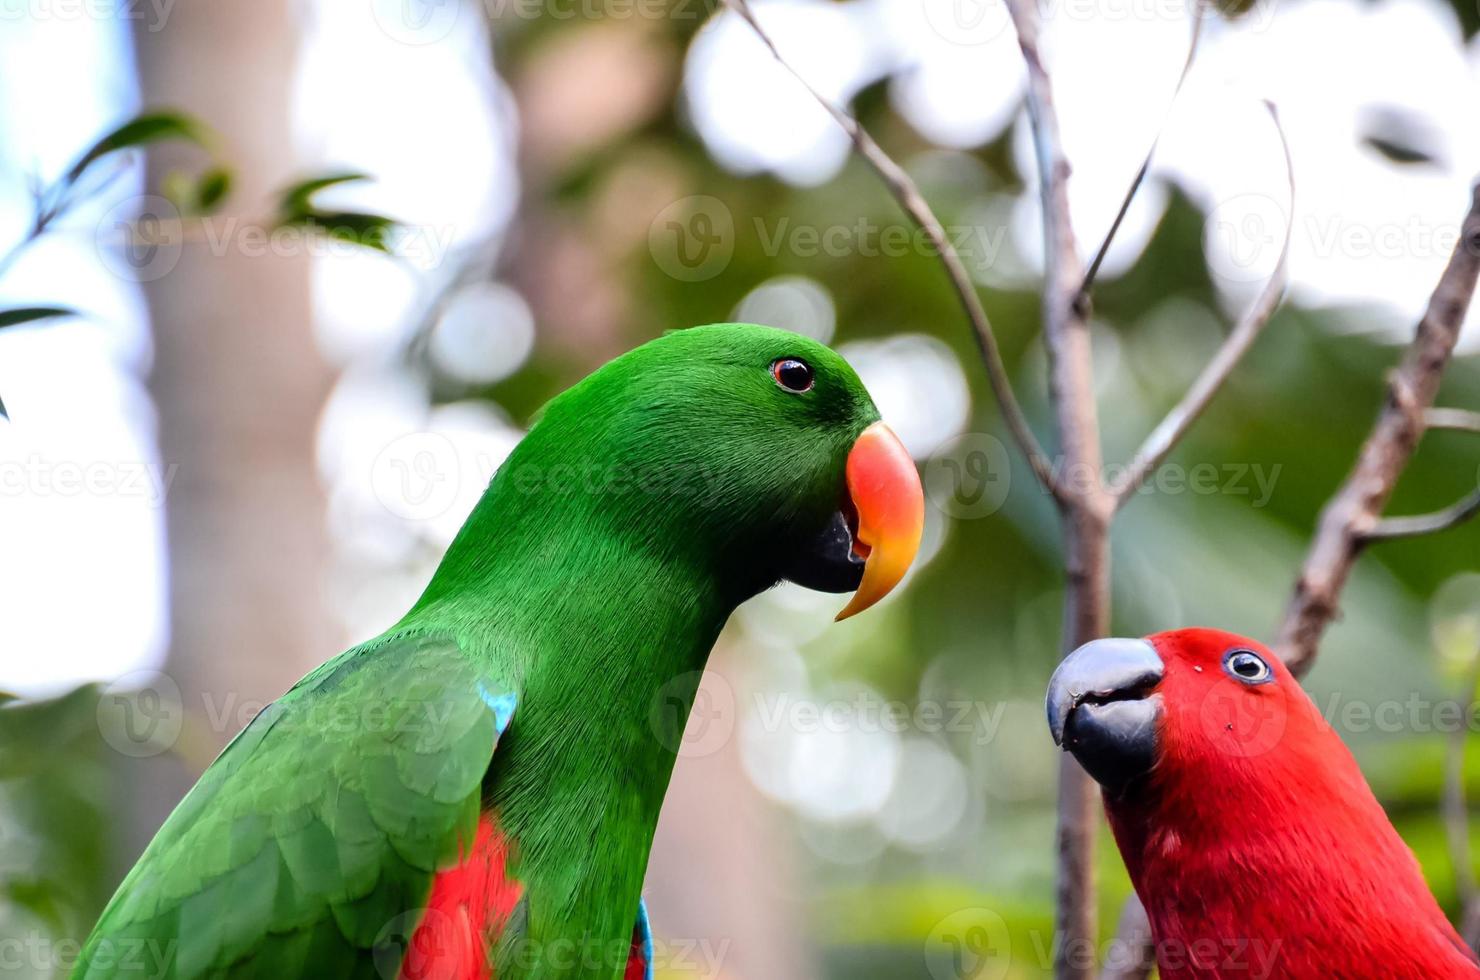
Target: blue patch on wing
[
  {"x": 502, "y": 706},
  {"x": 644, "y": 930}
]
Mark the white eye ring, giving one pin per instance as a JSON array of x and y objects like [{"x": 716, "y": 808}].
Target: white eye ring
[{"x": 1247, "y": 666}]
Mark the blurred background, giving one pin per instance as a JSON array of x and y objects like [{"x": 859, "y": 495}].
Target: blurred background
[{"x": 249, "y": 450}]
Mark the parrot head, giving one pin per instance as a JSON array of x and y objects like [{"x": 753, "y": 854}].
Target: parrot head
[
  {"x": 1247, "y": 828},
  {"x": 1191, "y": 704},
  {"x": 753, "y": 451}
]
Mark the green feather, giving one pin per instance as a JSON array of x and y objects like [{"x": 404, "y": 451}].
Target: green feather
[{"x": 267, "y": 844}]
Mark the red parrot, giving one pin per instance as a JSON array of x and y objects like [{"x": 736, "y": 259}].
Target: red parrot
[{"x": 1249, "y": 833}]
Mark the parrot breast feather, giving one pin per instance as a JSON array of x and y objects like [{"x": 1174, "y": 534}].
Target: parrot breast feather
[{"x": 309, "y": 846}]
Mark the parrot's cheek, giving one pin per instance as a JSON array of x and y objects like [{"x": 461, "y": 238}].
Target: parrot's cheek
[
  {"x": 1116, "y": 741},
  {"x": 828, "y": 562}
]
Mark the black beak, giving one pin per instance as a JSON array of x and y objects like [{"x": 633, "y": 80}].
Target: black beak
[
  {"x": 827, "y": 562},
  {"x": 1101, "y": 707}
]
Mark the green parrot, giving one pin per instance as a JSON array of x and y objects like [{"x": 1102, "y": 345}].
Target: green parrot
[{"x": 473, "y": 793}]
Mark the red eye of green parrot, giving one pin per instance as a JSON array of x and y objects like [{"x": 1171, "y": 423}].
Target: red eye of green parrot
[{"x": 793, "y": 374}]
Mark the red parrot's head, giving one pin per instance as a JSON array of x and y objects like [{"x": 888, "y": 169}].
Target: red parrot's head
[
  {"x": 1238, "y": 811},
  {"x": 1192, "y": 703}
]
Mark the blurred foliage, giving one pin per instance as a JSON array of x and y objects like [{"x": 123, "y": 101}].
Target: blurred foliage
[
  {"x": 56, "y": 788},
  {"x": 296, "y": 208}
]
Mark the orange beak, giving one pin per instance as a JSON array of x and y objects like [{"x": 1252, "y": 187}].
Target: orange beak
[{"x": 885, "y": 491}]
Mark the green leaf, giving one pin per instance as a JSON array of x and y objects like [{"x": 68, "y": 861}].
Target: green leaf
[
  {"x": 295, "y": 201},
  {"x": 197, "y": 195},
  {"x": 29, "y": 314},
  {"x": 150, "y": 127},
  {"x": 212, "y": 189},
  {"x": 179, "y": 189},
  {"x": 296, "y": 209},
  {"x": 355, "y": 227}
]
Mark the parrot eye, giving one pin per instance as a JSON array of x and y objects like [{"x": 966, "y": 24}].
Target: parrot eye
[
  {"x": 792, "y": 374},
  {"x": 1247, "y": 666}
]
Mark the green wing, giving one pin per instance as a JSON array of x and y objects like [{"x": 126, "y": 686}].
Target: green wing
[{"x": 310, "y": 845}]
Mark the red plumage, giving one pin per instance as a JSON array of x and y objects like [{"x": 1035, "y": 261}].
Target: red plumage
[
  {"x": 1256, "y": 844},
  {"x": 467, "y": 909}
]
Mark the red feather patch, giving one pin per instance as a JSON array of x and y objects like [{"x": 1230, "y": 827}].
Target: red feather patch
[
  {"x": 468, "y": 904},
  {"x": 468, "y": 907}
]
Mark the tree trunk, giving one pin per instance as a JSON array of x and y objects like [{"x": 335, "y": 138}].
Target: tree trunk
[{"x": 239, "y": 386}]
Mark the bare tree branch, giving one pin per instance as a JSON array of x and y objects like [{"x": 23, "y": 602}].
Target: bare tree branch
[
  {"x": 1081, "y": 299},
  {"x": 1352, "y": 514},
  {"x": 1455, "y": 810},
  {"x": 1086, "y": 506},
  {"x": 1452, "y": 418},
  {"x": 1179, "y": 420},
  {"x": 904, "y": 190},
  {"x": 1419, "y": 524}
]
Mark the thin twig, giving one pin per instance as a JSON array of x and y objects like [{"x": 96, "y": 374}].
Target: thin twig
[
  {"x": 1179, "y": 420},
  {"x": 1455, "y": 809},
  {"x": 1081, "y": 298},
  {"x": 1456, "y": 419},
  {"x": 904, "y": 190},
  {"x": 51, "y": 203},
  {"x": 1355, "y": 509},
  {"x": 1086, "y": 508},
  {"x": 1432, "y": 523}
]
